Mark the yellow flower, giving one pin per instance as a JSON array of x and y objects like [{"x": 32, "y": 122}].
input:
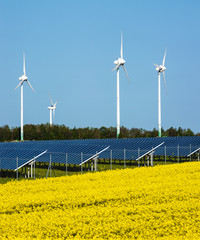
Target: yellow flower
[{"x": 143, "y": 203}]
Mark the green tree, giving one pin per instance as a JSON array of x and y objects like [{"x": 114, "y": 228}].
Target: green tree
[{"x": 171, "y": 132}]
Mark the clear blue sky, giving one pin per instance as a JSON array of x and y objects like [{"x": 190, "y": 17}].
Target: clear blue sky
[{"x": 70, "y": 48}]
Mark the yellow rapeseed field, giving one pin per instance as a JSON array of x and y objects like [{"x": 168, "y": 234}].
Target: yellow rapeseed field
[{"x": 162, "y": 202}]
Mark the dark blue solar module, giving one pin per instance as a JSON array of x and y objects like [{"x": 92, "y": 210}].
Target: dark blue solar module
[
  {"x": 59, "y": 151},
  {"x": 80, "y": 151},
  {"x": 135, "y": 147},
  {"x": 178, "y": 146},
  {"x": 12, "y": 158},
  {"x": 129, "y": 148}
]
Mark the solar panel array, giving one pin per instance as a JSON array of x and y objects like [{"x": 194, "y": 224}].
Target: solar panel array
[
  {"x": 178, "y": 146},
  {"x": 60, "y": 152},
  {"x": 79, "y": 151},
  {"x": 12, "y": 158},
  {"x": 129, "y": 148},
  {"x": 135, "y": 147}
]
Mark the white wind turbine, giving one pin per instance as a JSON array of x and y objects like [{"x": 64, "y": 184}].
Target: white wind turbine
[
  {"x": 52, "y": 108},
  {"x": 119, "y": 62},
  {"x": 160, "y": 69},
  {"x": 23, "y": 79}
]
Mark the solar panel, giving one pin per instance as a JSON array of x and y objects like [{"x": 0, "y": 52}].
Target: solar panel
[
  {"x": 12, "y": 159},
  {"x": 136, "y": 147},
  {"x": 80, "y": 151},
  {"x": 178, "y": 146},
  {"x": 130, "y": 148},
  {"x": 60, "y": 152}
]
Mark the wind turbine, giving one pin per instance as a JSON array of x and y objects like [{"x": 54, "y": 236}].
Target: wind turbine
[
  {"x": 52, "y": 108},
  {"x": 160, "y": 69},
  {"x": 119, "y": 62},
  {"x": 23, "y": 79}
]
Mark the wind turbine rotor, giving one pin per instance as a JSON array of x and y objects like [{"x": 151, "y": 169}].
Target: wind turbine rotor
[
  {"x": 19, "y": 84},
  {"x": 51, "y": 100},
  {"x": 30, "y": 86},
  {"x": 126, "y": 73},
  {"x": 156, "y": 65},
  {"x": 116, "y": 67},
  {"x": 55, "y": 104},
  {"x": 163, "y": 64}
]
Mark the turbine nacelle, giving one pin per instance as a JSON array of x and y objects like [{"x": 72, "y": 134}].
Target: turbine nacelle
[
  {"x": 52, "y": 107},
  {"x": 119, "y": 62},
  {"x": 160, "y": 68},
  {"x": 23, "y": 78}
]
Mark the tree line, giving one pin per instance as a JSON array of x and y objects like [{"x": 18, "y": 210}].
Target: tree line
[{"x": 61, "y": 132}]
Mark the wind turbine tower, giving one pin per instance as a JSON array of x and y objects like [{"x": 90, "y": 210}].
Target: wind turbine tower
[
  {"x": 52, "y": 108},
  {"x": 160, "y": 69},
  {"x": 23, "y": 79},
  {"x": 119, "y": 62}
]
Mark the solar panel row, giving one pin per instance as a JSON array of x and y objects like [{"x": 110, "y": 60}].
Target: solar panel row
[
  {"x": 79, "y": 151},
  {"x": 13, "y": 158},
  {"x": 173, "y": 146},
  {"x": 60, "y": 151}
]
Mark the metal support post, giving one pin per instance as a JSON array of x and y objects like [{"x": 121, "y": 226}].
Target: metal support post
[
  {"x": 190, "y": 152},
  {"x": 138, "y": 157},
  {"x": 165, "y": 154},
  {"x": 144, "y": 161},
  {"x": 31, "y": 170},
  {"x": 124, "y": 158},
  {"x": 147, "y": 160},
  {"x": 178, "y": 153},
  {"x": 50, "y": 165},
  {"x": 151, "y": 159},
  {"x": 81, "y": 162},
  {"x": 95, "y": 164},
  {"x": 17, "y": 168},
  {"x": 25, "y": 173},
  {"x": 198, "y": 156},
  {"x": 34, "y": 167},
  {"x": 92, "y": 165}
]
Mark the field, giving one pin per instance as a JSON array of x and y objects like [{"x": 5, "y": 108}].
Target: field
[{"x": 142, "y": 203}]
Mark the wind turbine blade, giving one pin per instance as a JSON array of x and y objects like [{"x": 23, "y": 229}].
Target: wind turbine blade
[
  {"x": 165, "y": 82},
  {"x": 30, "y": 86},
  {"x": 55, "y": 103},
  {"x": 115, "y": 67},
  {"x": 164, "y": 58},
  {"x": 24, "y": 68},
  {"x": 126, "y": 73},
  {"x": 51, "y": 100},
  {"x": 18, "y": 85},
  {"x": 121, "y": 47},
  {"x": 156, "y": 65}
]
